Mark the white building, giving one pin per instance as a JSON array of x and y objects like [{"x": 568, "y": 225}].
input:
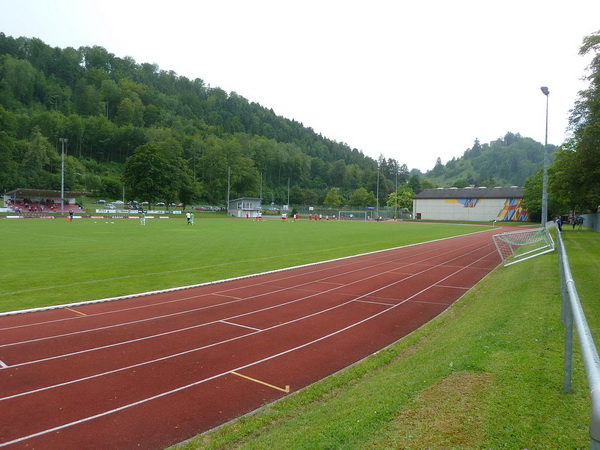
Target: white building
[
  {"x": 245, "y": 207},
  {"x": 470, "y": 204}
]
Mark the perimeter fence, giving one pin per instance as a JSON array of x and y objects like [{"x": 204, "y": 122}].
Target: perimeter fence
[{"x": 572, "y": 314}]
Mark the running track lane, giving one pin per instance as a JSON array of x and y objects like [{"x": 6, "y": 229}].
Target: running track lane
[{"x": 155, "y": 370}]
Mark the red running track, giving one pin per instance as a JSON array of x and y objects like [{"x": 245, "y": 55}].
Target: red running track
[{"x": 155, "y": 370}]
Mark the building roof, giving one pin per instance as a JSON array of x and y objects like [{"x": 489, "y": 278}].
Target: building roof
[
  {"x": 42, "y": 193},
  {"x": 443, "y": 193}
]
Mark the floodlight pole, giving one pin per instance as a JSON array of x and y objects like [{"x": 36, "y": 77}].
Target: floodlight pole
[
  {"x": 546, "y": 92},
  {"x": 62, "y": 141},
  {"x": 377, "y": 211},
  {"x": 396, "y": 201}
]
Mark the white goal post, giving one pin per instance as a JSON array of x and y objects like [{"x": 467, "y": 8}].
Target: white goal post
[
  {"x": 352, "y": 215},
  {"x": 517, "y": 246}
]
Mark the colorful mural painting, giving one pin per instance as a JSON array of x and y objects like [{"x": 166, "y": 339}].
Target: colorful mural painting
[
  {"x": 513, "y": 210},
  {"x": 466, "y": 202},
  {"x": 469, "y": 202}
]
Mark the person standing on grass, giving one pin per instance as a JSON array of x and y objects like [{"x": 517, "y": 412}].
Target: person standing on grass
[
  {"x": 192, "y": 218},
  {"x": 187, "y": 216},
  {"x": 143, "y": 218}
]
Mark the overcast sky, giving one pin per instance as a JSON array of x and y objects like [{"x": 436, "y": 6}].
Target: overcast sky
[{"x": 411, "y": 80}]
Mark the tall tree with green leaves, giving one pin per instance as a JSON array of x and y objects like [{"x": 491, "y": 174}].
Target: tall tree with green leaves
[
  {"x": 403, "y": 199},
  {"x": 333, "y": 198},
  {"x": 149, "y": 176},
  {"x": 362, "y": 197},
  {"x": 582, "y": 169}
]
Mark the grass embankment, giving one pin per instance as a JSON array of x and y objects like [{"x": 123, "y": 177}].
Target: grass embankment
[
  {"x": 485, "y": 374},
  {"x": 49, "y": 262}
]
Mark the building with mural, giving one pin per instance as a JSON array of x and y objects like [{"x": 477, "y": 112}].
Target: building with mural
[{"x": 470, "y": 204}]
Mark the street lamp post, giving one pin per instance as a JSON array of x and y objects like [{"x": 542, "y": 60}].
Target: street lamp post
[
  {"x": 62, "y": 141},
  {"x": 546, "y": 92}
]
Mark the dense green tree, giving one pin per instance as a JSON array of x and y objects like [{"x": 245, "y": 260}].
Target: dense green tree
[
  {"x": 438, "y": 169},
  {"x": 403, "y": 199},
  {"x": 88, "y": 99},
  {"x": 10, "y": 173},
  {"x": 362, "y": 197},
  {"x": 309, "y": 197},
  {"x": 148, "y": 175},
  {"x": 333, "y": 198},
  {"x": 337, "y": 174},
  {"x": 565, "y": 182},
  {"x": 18, "y": 78},
  {"x": 532, "y": 198},
  {"x": 36, "y": 161},
  {"x": 461, "y": 183},
  {"x": 111, "y": 93},
  {"x": 296, "y": 195},
  {"x": 426, "y": 183},
  {"x": 414, "y": 183},
  {"x": 576, "y": 175}
]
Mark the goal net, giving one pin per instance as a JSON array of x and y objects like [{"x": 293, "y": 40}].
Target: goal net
[
  {"x": 352, "y": 215},
  {"x": 517, "y": 246}
]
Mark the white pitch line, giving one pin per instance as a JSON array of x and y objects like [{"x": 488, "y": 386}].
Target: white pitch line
[{"x": 3, "y": 365}]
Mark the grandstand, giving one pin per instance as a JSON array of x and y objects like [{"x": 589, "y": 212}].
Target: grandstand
[{"x": 32, "y": 201}]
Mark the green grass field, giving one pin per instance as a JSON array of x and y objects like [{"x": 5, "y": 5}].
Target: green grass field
[{"x": 50, "y": 262}]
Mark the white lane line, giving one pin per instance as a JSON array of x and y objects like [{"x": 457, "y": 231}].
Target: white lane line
[
  {"x": 199, "y": 382},
  {"x": 3, "y": 365},
  {"x": 221, "y": 342},
  {"x": 210, "y": 323},
  {"x": 239, "y": 325}
]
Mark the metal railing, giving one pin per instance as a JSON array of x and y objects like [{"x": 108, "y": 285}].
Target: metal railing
[{"x": 572, "y": 313}]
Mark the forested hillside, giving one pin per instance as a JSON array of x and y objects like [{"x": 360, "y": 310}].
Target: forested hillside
[
  {"x": 508, "y": 161},
  {"x": 157, "y": 136},
  {"x": 123, "y": 120}
]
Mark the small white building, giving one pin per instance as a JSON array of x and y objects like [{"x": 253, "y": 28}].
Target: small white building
[
  {"x": 245, "y": 207},
  {"x": 470, "y": 204}
]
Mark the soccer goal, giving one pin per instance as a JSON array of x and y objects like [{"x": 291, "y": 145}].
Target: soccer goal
[
  {"x": 517, "y": 246},
  {"x": 352, "y": 215}
]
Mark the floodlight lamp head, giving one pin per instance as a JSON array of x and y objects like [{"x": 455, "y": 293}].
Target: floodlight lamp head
[{"x": 545, "y": 90}]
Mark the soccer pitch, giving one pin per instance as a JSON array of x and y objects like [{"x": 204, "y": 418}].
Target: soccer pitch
[{"x": 50, "y": 262}]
